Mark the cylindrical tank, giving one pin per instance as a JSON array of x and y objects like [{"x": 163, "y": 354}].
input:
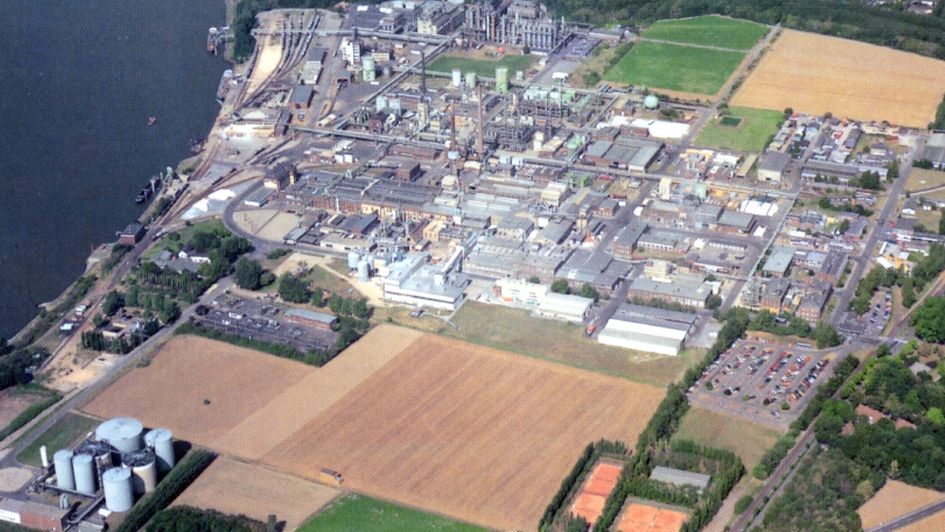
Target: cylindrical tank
[
  {"x": 62, "y": 461},
  {"x": 364, "y": 271},
  {"x": 353, "y": 259},
  {"x": 651, "y": 102},
  {"x": 117, "y": 485},
  {"x": 162, "y": 442},
  {"x": 470, "y": 79},
  {"x": 502, "y": 79},
  {"x": 83, "y": 467},
  {"x": 143, "y": 470},
  {"x": 457, "y": 77},
  {"x": 123, "y": 433},
  {"x": 368, "y": 68}
]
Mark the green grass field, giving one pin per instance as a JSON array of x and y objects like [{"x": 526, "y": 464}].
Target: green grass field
[
  {"x": 356, "y": 513},
  {"x": 69, "y": 430},
  {"x": 748, "y": 440},
  {"x": 675, "y": 67},
  {"x": 482, "y": 67},
  {"x": 751, "y": 134},
  {"x": 515, "y": 330},
  {"x": 709, "y": 30}
]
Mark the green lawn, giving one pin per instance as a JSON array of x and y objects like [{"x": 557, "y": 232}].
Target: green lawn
[
  {"x": 515, "y": 330},
  {"x": 675, "y": 67},
  {"x": 751, "y": 134},
  {"x": 482, "y": 67},
  {"x": 710, "y": 30},
  {"x": 357, "y": 513},
  {"x": 71, "y": 429},
  {"x": 748, "y": 440}
]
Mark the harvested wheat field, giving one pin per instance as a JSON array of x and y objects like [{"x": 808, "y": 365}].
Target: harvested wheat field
[
  {"x": 236, "y": 488},
  {"x": 816, "y": 74},
  {"x": 256, "y": 400},
  {"x": 640, "y": 517},
  {"x": 467, "y": 431},
  {"x": 894, "y": 499},
  {"x": 589, "y": 502}
]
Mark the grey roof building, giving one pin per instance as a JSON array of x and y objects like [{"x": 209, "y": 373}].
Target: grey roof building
[{"x": 678, "y": 477}]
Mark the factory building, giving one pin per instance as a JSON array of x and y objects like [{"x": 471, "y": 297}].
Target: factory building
[
  {"x": 690, "y": 291},
  {"x": 517, "y": 23},
  {"x": 773, "y": 165},
  {"x": 33, "y": 515},
  {"x": 416, "y": 282},
  {"x": 647, "y": 329},
  {"x": 565, "y": 307},
  {"x": 439, "y": 18}
]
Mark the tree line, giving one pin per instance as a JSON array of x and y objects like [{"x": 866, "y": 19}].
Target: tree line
[{"x": 190, "y": 519}]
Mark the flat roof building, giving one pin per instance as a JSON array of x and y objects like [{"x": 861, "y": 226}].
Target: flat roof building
[
  {"x": 689, "y": 291},
  {"x": 779, "y": 261},
  {"x": 566, "y": 307},
  {"x": 772, "y": 166},
  {"x": 679, "y": 477},
  {"x": 647, "y": 329}
]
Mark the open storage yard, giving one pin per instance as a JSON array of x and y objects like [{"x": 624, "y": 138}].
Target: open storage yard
[
  {"x": 237, "y": 488},
  {"x": 675, "y": 67},
  {"x": 467, "y": 431},
  {"x": 818, "y": 74},
  {"x": 709, "y": 30},
  {"x": 893, "y": 500},
  {"x": 743, "y": 129}
]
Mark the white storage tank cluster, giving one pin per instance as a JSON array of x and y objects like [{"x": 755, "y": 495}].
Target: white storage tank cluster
[
  {"x": 143, "y": 470},
  {"x": 122, "y": 433},
  {"x": 116, "y": 482},
  {"x": 62, "y": 462}
]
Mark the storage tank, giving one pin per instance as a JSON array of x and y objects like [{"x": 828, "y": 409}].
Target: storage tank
[
  {"x": 353, "y": 259},
  {"x": 62, "y": 461},
  {"x": 502, "y": 79},
  {"x": 364, "y": 271},
  {"x": 161, "y": 441},
  {"x": 457, "y": 77},
  {"x": 123, "y": 433},
  {"x": 101, "y": 453},
  {"x": 651, "y": 102},
  {"x": 116, "y": 483},
  {"x": 470, "y": 79},
  {"x": 83, "y": 467},
  {"x": 380, "y": 103},
  {"x": 143, "y": 470}
]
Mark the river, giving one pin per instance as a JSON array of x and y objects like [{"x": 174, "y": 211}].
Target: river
[{"x": 79, "y": 81}]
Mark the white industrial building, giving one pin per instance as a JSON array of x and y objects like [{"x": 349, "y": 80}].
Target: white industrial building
[
  {"x": 647, "y": 329},
  {"x": 545, "y": 303},
  {"x": 414, "y": 281},
  {"x": 565, "y": 307}
]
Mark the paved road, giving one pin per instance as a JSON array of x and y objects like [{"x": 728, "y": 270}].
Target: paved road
[{"x": 910, "y": 518}]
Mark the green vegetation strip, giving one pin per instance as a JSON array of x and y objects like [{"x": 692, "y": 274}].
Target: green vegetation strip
[
  {"x": 186, "y": 518},
  {"x": 708, "y": 30},
  {"x": 675, "y": 67},
  {"x": 29, "y": 414},
  {"x": 69, "y": 430},
  {"x": 357, "y": 513},
  {"x": 742, "y": 129},
  {"x": 186, "y": 471}
]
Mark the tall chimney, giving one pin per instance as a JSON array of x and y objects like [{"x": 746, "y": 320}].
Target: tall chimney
[{"x": 479, "y": 141}]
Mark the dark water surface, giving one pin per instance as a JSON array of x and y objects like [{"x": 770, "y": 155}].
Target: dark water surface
[{"x": 78, "y": 81}]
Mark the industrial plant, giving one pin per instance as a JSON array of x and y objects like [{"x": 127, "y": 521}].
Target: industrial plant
[{"x": 103, "y": 475}]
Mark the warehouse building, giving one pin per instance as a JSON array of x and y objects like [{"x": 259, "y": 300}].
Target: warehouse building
[
  {"x": 564, "y": 307},
  {"x": 772, "y": 167},
  {"x": 629, "y": 154},
  {"x": 33, "y": 515},
  {"x": 679, "y": 477},
  {"x": 779, "y": 261},
  {"x": 690, "y": 291},
  {"x": 647, "y": 329}
]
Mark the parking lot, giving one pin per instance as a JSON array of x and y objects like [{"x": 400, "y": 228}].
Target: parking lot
[
  {"x": 768, "y": 383},
  {"x": 873, "y": 321},
  {"x": 260, "y": 320}
]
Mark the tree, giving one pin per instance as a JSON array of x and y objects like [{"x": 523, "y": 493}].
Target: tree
[
  {"x": 826, "y": 336},
  {"x": 713, "y": 302},
  {"x": 114, "y": 301},
  {"x": 267, "y": 278},
  {"x": 929, "y": 320},
  {"x": 589, "y": 292},
  {"x": 534, "y": 279},
  {"x": 318, "y": 297},
  {"x": 560, "y": 286},
  {"x": 908, "y": 292},
  {"x": 293, "y": 289},
  {"x": 247, "y": 274}
]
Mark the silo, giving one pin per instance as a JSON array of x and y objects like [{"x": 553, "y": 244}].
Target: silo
[
  {"x": 117, "y": 485},
  {"x": 101, "y": 453},
  {"x": 162, "y": 442},
  {"x": 470, "y": 79},
  {"x": 457, "y": 77},
  {"x": 380, "y": 103},
  {"x": 364, "y": 271},
  {"x": 353, "y": 259},
  {"x": 143, "y": 470},
  {"x": 83, "y": 467},
  {"x": 62, "y": 461},
  {"x": 651, "y": 102},
  {"x": 502, "y": 79},
  {"x": 123, "y": 433}
]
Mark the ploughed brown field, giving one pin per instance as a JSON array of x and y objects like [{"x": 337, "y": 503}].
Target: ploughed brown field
[
  {"x": 817, "y": 74},
  {"x": 467, "y": 431},
  {"x": 893, "y": 500}
]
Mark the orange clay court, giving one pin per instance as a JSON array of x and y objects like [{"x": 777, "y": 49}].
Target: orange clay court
[
  {"x": 589, "y": 502},
  {"x": 467, "y": 431},
  {"x": 638, "y": 517},
  {"x": 816, "y": 74}
]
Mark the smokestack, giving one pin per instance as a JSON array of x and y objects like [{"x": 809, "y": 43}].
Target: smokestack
[
  {"x": 43, "y": 456},
  {"x": 423, "y": 73},
  {"x": 479, "y": 140},
  {"x": 452, "y": 126}
]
